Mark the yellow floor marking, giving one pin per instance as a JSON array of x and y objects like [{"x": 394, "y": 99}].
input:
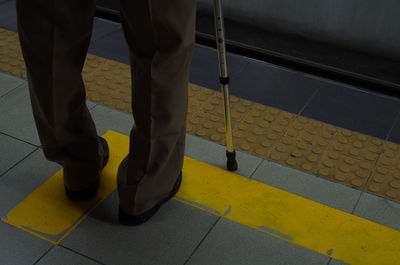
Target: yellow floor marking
[
  {"x": 48, "y": 213},
  {"x": 290, "y": 217}
]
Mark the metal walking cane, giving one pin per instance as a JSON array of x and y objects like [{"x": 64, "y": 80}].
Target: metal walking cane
[{"x": 231, "y": 162}]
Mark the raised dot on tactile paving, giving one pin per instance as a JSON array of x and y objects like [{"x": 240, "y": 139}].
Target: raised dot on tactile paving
[
  {"x": 316, "y": 150},
  {"x": 245, "y": 147},
  {"x": 301, "y": 146},
  {"x": 280, "y": 148},
  {"x": 389, "y": 154},
  {"x": 340, "y": 177},
  {"x": 237, "y": 134},
  {"x": 296, "y": 153},
  {"x": 338, "y": 147},
  {"x": 272, "y": 136},
  {"x": 343, "y": 140},
  {"x": 362, "y": 137},
  {"x": 391, "y": 194},
  {"x": 307, "y": 167},
  {"x": 362, "y": 173},
  {"x": 307, "y": 138},
  {"x": 283, "y": 122},
  {"x": 349, "y": 160},
  {"x": 396, "y": 175},
  {"x": 273, "y": 111},
  {"x": 266, "y": 144},
  {"x": 370, "y": 157},
  {"x": 316, "y": 124},
  {"x": 373, "y": 149},
  {"x": 376, "y": 142},
  {"x": 208, "y": 107},
  {"x": 378, "y": 179},
  {"x": 302, "y": 120},
  {"x": 221, "y": 130},
  {"x": 214, "y": 118},
  {"x": 215, "y": 137},
  {"x": 200, "y": 133},
  {"x": 324, "y": 172},
  {"x": 382, "y": 170},
  {"x": 255, "y": 114},
  {"x": 391, "y": 146},
  {"x": 207, "y": 125},
  {"x": 287, "y": 141},
  {"x": 298, "y": 127},
  {"x": 243, "y": 127},
  {"x": 385, "y": 161},
  {"x": 395, "y": 184},
  {"x": 260, "y": 107},
  {"x": 268, "y": 118},
  {"x": 354, "y": 152},
  {"x": 373, "y": 188},
  {"x": 257, "y": 131},
  {"x": 312, "y": 158},
  {"x": 326, "y": 135},
  {"x": 260, "y": 152},
  {"x": 277, "y": 129},
  {"x": 344, "y": 168},
  {"x": 264, "y": 124},
  {"x": 356, "y": 182},
  {"x": 275, "y": 156},
  {"x": 328, "y": 163},
  {"x": 346, "y": 133},
  {"x": 291, "y": 162},
  {"x": 251, "y": 139},
  {"x": 333, "y": 155},
  {"x": 322, "y": 143}
]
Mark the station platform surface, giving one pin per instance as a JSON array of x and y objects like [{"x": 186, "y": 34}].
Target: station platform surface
[{"x": 318, "y": 179}]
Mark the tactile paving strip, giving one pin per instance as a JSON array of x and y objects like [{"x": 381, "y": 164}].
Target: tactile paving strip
[{"x": 343, "y": 156}]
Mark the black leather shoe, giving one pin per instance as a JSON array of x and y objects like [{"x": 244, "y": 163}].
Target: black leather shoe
[
  {"x": 88, "y": 193},
  {"x": 132, "y": 220}
]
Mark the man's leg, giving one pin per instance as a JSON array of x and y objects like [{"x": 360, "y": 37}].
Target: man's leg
[
  {"x": 54, "y": 37},
  {"x": 161, "y": 39}
]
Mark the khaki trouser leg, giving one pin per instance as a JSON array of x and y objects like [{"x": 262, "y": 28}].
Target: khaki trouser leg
[
  {"x": 54, "y": 37},
  {"x": 161, "y": 38}
]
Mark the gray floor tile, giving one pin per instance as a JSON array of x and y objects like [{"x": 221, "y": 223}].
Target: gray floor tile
[
  {"x": 308, "y": 186},
  {"x": 337, "y": 262},
  {"x": 12, "y": 152},
  {"x": 353, "y": 109},
  {"x": 231, "y": 243},
  {"x": 17, "y": 119},
  {"x": 102, "y": 27},
  {"x": 19, "y": 247},
  {"x": 204, "y": 70},
  {"x": 61, "y": 256},
  {"x": 109, "y": 119},
  {"x": 8, "y": 83},
  {"x": 273, "y": 86},
  {"x": 8, "y": 18},
  {"x": 23, "y": 179},
  {"x": 168, "y": 238},
  {"x": 215, "y": 154},
  {"x": 111, "y": 46},
  {"x": 379, "y": 210}
]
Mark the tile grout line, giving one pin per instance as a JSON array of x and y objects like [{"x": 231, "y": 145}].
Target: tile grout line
[
  {"x": 24, "y": 82},
  {"x": 308, "y": 103},
  {"x": 44, "y": 254},
  {"x": 257, "y": 167},
  {"x": 81, "y": 254},
  {"x": 358, "y": 201},
  {"x": 329, "y": 261},
  {"x": 202, "y": 240},
  {"x": 13, "y": 166},
  {"x": 394, "y": 124},
  {"x": 20, "y": 140}
]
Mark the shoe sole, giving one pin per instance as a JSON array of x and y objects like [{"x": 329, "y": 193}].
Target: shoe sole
[{"x": 132, "y": 220}]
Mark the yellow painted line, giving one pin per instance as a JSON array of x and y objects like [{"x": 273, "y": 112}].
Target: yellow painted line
[{"x": 290, "y": 217}]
